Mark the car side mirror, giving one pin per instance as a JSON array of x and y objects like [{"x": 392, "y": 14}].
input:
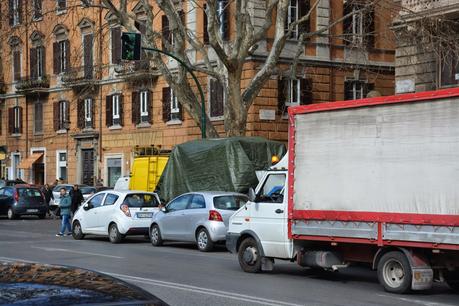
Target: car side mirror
[
  {"x": 87, "y": 206},
  {"x": 252, "y": 195},
  {"x": 164, "y": 209}
]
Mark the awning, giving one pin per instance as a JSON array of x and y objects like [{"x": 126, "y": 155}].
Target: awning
[{"x": 29, "y": 161}]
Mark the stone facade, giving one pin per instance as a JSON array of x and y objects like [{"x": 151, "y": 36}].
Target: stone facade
[{"x": 334, "y": 70}]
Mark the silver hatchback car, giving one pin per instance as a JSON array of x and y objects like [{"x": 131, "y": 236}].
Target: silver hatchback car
[{"x": 200, "y": 217}]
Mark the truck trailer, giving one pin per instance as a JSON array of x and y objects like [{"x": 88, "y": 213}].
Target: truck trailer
[{"x": 372, "y": 181}]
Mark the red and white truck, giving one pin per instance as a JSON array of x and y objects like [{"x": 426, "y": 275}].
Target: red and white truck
[{"x": 372, "y": 181}]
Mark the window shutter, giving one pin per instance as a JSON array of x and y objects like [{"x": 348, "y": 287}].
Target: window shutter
[
  {"x": 135, "y": 107},
  {"x": 205, "y": 24},
  {"x": 67, "y": 55},
  {"x": 166, "y": 32},
  {"x": 80, "y": 113},
  {"x": 17, "y": 65},
  {"x": 150, "y": 107},
  {"x": 33, "y": 63},
  {"x": 56, "y": 58},
  {"x": 88, "y": 60},
  {"x": 306, "y": 91},
  {"x": 116, "y": 45},
  {"x": 180, "y": 113},
  {"x": 11, "y": 120},
  {"x": 369, "y": 28},
  {"x": 367, "y": 87},
  {"x": 56, "y": 116},
  {"x": 282, "y": 95},
  {"x": 141, "y": 27},
  {"x": 20, "y": 11},
  {"x": 304, "y": 8},
  {"x": 166, "y": 104},
  {"x": 121, "y": 111},
  {"x": 108, "y": 111},
  {"x": 347, "y": 23},
  {"x": 67, "y": 113},
  {"x": 1, "y": 122},
  {"x": 43, "y": 59},
  {"x": 216, "y": 98},
  {"x": 224, "y": 19},
  {"x": 11, "y": 12},
  {"x": 348, "y": 90},
  {"x": 93, "y": 120},
  {"x": 20, "y": 119}
]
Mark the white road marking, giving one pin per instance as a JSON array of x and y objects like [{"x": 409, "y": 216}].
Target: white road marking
[
  {"x": 219, "y": 293},
  {"x": 76, "y": 252},
  {"x": 413, "y": 301}
]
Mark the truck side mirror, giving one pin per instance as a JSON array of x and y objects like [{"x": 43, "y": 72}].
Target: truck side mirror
[{"x": 252, "y": 195}]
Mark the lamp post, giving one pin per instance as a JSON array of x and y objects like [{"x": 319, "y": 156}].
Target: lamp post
[{"x": 201, "y": 92}]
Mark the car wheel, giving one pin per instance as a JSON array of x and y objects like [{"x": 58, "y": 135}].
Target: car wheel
[
  {"x": 452, "y": 279},
  {"x": 77, "y": 232},
  {"x": 155, "y": 236},
  {"x": 114, "y": 234},
  {"x": 11, "y": 214},
  {"x": 205, "y": 244},
  {"x": 394, "y": 272},
  {"x": 249, "y": 256}
]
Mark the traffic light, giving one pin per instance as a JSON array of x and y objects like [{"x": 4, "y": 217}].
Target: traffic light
[{"x": 130, "y": 46}]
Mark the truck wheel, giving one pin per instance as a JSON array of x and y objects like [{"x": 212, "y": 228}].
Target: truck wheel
[
  {"x": 155, "y": 236},
  {"x": 394, "y": 272},
  {"x": 11, "y": 214},
  {"x": 452, "y": 279},
  {"x": 249, "y": 256},
  {"x": 205, "y": 244},
  {"x": 77, "y": 232},
  {"x": 114, "y": 234}
]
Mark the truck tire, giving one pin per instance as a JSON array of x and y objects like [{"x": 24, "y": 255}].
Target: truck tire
[
  {"x": 114, "y": 234},
  {"x": 452, "y": 279},
  {"x": 155, "y": 236},
  {"x": 394, "y": 272},
  {"x": 205, "y": 244},
  {"x": 249, "y": 256}
]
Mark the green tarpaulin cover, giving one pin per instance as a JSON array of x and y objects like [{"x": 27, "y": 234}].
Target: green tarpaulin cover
[{"x": 227, "y": 164}]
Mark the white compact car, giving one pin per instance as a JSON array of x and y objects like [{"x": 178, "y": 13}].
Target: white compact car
[{"x": 116, "y": 214}]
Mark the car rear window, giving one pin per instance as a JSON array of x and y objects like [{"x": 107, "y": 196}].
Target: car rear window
[
  {"x": 141, "y": 200},
  {"x": 229, "y": 202},
  {"x": 29, "y": 192}
]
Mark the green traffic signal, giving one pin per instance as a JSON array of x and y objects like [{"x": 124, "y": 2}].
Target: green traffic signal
[{"x": 131, "y": 46}]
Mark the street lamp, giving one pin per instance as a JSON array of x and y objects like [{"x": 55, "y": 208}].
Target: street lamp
[{"x": 130, "y": 50}]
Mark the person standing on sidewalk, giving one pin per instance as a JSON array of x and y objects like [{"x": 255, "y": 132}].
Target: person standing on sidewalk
[
  {"x": 77, "y": 198},
  {"x": 65, "y": 204},
  {"x": 48, "y": 193}
]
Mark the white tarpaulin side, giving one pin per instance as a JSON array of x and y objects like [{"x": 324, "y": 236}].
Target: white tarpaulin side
[{"x": 400, "y": 158}]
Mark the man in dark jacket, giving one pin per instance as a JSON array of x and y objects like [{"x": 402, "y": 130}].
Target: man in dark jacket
[
  {"x": 77, "y": 198},
  {"x": 48, "y": 193}
]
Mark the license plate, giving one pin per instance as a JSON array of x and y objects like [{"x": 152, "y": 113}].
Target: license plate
[
  {"x": 144, "y": 215},
  {"x": 32, "y": 210}
]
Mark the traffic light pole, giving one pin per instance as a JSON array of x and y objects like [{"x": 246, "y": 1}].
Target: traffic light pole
[{"x": 201, "y": 92}]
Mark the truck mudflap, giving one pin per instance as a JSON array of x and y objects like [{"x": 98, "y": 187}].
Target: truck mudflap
[{"x": 231, "y": 242}]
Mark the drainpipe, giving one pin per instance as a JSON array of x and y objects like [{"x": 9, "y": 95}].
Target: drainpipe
[{"x": 100, "y": 93}]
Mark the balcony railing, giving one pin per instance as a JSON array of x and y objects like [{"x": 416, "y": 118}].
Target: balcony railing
[
  {"x": 137, "y": 70},
  {"x": 29, "y": 84},
  {"x": 79, "y": 76},
  {"x": 418, "y": 6}
]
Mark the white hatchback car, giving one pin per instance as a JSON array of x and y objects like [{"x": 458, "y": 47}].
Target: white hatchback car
[{"x": 116, "y": 214}]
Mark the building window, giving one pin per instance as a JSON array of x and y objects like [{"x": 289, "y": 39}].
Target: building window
[
  {"x": 15, "y": 120},
  {"x": 141, "y": 107},
  {"x": 61, "y": 51},
  {"x": 88, "y": 40},
  {"x": 61, "y": 165},
  {"x": 15, "y": 12},
  {"x": 296, "y": 10},
  {"x": 216, "y": 99},
  {"x": 223, "y": 22},
  {"x": 359, "y": 28},
  {"x": 114, "y": 110},
  {"x": 37, "y": 62},
  {"x": 448, "y": 68},
  {"x": 113, "y": 170},
  {"x": 85, "y": 110},
  {"x": 356, "y": 89},
  {"x": 175, "y": 109},
  {"x": 37, "y": 9},
  {"x": 61, "y": 116},
  {"x": 16, "y": 65},
  {"x": 292, "y": 92},
  {"x": 61, "y": 5},
  {"x": 88, "y": 112},
  {"x": 172, "y": 110},
  {"x": 144, "y": 104},
  {"x": 116, "y": 45},
  {"x": 38, "y": 118},
  {"x": 16, "y": 172}
]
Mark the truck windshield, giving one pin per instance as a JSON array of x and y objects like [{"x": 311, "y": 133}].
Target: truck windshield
[
  {"x": 229, "y": 202},
  {"x": 273, "y": 189},
  {"x": 141, "y": 200}
]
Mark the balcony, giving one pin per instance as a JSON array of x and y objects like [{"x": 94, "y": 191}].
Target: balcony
[
  {"x": 30, "y": 85},
  {"x": 78, "y": 78},
  {"x": 429, "y": 7},
  {"x": 136, "y": 71}
]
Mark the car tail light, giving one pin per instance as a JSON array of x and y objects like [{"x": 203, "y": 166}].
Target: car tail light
[
  {"x": 125, "y": 209},
  {"x": 215, "y": 216},
  {"x": 16, "y": 196}
]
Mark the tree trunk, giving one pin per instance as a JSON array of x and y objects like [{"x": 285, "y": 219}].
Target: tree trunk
[{"x": 235, "y": 110}]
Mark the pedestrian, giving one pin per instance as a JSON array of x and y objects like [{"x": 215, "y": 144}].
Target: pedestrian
[
  {"x": 48, "y": 193},
  {"x": 77, "y": 198},
  {"x": 65, "y": 204},
  {"x": 56, "y": 182}
]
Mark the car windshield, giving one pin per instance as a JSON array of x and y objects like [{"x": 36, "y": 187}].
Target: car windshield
[
  {"x": 141, "y": 200},
  {"x": 29, "y": 192},
  {"x": 229, "y": 202},
  {"x": 87, "y": 190}
]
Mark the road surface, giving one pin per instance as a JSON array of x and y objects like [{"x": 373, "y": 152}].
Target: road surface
[{"x": 181, "y": 275}]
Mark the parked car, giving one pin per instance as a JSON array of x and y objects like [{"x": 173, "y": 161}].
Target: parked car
[
  {"x": 4, "y": 183},
  {"x": 116, "y": 214},
  {"x": 200, "y": 217},
  {"x": 87, "y": 191},
  {"x": 22, "y": 200}
]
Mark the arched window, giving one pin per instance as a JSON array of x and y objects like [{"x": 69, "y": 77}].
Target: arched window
[
  {"x": 61, "y": 50},
  {"x": 37, "y": 56},
  {"x": 16, "y": 57}
]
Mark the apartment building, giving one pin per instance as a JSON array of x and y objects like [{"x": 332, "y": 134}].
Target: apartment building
[{"x": 72, "y": 109}]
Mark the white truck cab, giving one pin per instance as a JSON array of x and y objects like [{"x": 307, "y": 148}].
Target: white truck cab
[{"x": 263, "y": 219}]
